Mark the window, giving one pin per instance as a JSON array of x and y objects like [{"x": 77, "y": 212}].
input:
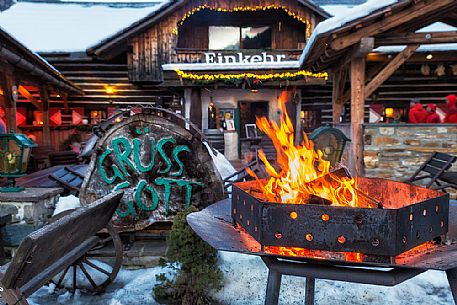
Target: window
[
  {"x": 224, "y": 38},
  {"x": 235, "y": 38},
  {"x": 256, "y": 38}
]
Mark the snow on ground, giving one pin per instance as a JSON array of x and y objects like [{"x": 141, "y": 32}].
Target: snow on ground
[
  {"x": 245, "y": 284},
  {"x": 224, "y": 167},
  {"x": 66, "y": 203}
]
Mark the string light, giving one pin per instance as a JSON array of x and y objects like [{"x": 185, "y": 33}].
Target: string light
[
  {"x": 262, "y": 77},
  {"x": 245, "y": 9}
]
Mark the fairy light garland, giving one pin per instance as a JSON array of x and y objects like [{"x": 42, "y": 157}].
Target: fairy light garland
[
  {"x": 239, "y": 76},
  {"x": 245, "y": 9}
]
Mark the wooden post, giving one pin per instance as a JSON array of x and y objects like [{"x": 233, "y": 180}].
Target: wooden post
[
  {"x": 7, "y": 82},
  {"x": 357, "y": 114},
  {"x": 339, "y": 80},
  {"x": 196, "y": 107},
  {"x": 44, "y": 96}
]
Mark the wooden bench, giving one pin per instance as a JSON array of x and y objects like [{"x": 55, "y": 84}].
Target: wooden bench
[
  {"x": 63, "y": 158},
  {"x": 57, "y": 247}
]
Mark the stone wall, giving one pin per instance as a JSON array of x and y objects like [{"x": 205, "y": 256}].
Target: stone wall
[{"x": 396, "y": 151}]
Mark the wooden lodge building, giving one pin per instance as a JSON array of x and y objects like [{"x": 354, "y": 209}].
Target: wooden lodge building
[{"x": 219, "y": 64}]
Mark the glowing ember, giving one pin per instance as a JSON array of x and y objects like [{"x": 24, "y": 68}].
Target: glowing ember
[
  {"x": 315, "y": 254},
  {"x": 300, "y": 165}
]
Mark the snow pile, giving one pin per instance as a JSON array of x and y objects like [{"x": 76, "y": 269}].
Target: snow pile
[
  {"x": 224, "y": 167},
  {"x": 66, "y": 203},
  {"x": 245, "y": 284}
]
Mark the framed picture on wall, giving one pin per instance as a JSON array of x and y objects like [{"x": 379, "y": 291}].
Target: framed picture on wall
[{"x": 251, "y": 131}]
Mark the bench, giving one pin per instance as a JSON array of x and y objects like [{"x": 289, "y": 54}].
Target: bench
[
  {"x": 63, "y": 158},
  {"x": 55, "y": 248}
]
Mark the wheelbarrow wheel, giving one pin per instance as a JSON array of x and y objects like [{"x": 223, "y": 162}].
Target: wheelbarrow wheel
[{"x": 87, "y": 273}]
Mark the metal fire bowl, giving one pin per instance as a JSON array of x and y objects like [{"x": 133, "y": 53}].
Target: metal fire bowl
[{"x": 410, "y": 216}]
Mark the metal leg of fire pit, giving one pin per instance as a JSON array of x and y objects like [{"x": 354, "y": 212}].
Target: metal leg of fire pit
[
  {"x": 452, "y": 279},
  {"x": 311, "y": 271},
  {"x": 309, "y": 291},
  {"x": 273, "y": 287}
]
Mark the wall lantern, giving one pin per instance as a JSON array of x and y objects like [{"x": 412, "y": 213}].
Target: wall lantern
[
  {"x": 331, "y": 141},
  {"x": 110, "y": 90},
  {"x": 15, "y": 151}
]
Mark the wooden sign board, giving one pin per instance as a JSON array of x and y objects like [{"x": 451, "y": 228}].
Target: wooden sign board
[{"x": 161, "y": 167}]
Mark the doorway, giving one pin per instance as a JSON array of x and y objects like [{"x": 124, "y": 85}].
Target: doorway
[{"x": 249, "y": 111}]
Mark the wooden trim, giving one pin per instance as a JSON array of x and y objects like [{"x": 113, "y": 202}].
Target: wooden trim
[
  {"x": 417, "y": 38},
  {"x": 390, "y": 69}
]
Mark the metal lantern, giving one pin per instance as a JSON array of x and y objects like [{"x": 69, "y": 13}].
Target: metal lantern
[
  {"x": 15, "y": 151},
  {"x": 331, "y": 141}
]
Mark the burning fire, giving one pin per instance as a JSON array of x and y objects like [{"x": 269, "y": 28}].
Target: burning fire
[{"x": 303, "y": 170}]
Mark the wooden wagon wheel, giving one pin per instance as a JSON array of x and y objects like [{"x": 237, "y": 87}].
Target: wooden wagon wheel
[{"x": 106, "y": 272}]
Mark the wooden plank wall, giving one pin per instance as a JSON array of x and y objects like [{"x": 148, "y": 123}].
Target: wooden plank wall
[
  {"x": 93, "y": 75},
  {"x": 157, "y": 46}
]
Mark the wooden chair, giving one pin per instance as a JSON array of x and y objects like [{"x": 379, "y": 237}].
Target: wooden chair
[
  {"x": 433, "y": 169},
  {"x": 242, "y": 174},
  {"x": 55, "y": 248}
]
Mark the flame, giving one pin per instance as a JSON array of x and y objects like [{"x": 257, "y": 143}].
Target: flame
[
  {"x": 315, "y": 254},
  {"x": 300, "y": 165}
]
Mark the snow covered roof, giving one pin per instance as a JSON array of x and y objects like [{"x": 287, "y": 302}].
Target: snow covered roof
[
  {"x": 14, "y": 52},
  {"x": 349, "y": 19},
  {"x": 290, "y": 64},
  {"x": 168, "y": 7},
  {"x": 71, "y": 26},
  {"x": 343, "y": 16}
]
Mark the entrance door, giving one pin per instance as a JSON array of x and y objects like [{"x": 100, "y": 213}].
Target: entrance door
[{"x": 249, "y": 111}]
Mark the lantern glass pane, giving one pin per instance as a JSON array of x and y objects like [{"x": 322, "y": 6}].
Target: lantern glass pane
[
  {"x": 10, "y": 154},
  {"x": 25, "y": 159}
]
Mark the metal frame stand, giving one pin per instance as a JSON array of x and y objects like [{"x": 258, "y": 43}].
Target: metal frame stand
[{"x": 390, "y": 278}]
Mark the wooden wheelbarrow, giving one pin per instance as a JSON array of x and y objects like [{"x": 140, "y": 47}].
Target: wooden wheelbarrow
[{"x": 64, "y": 247}]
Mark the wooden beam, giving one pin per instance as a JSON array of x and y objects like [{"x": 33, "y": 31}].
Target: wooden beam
[
  {"x": 389, "y": 22},
  {"x": 25, "y": 93},
  {"x": 357, "y": 114},
  {"x": 390, "y": 69},
  {"x": 65, "y": 102},
  {"x": 196, "y": 107},
  {"x": 44, "y": 96},
  {"x": 417, "y": 38},
  {"x": 7, "y": 82}
]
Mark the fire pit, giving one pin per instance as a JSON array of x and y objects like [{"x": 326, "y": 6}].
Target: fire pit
[
  {"x": 304, "y": 205},
  {"x": 306, "y": 219},
  {"x": 409, "y": 217}
]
